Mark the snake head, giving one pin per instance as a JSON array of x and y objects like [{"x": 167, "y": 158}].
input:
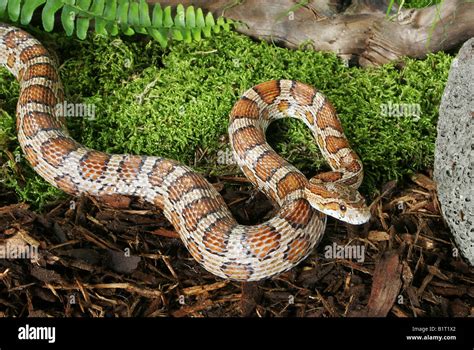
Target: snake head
[{"x": 337, "y": 200}]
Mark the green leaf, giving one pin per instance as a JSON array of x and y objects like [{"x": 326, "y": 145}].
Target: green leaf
[
  {"x": 207, "y": 30},
  {"x": 110, "y": 10},
  {"x": 190, "y": 17},
  {"x": 83, "y": 21},
  {"x": 187, "y": 35},
  {"x": 200, "y": 21},
  {"x": 157, "y": 16},
  {"x": 112, "y": 16},
  {"x": 112, "y": 28},
  {"x": 49, "y": 10},
  {"x": 144, "y": 14},
  {"x": 82, "y": 27},
  {"x": 68, "y": 16},
  {"x": 100, "y": 26},
  {"x": 210, "y": 20},
  {"x": 196, "y": 33},
  {"x": 177, "y": 35},
  {"x": 3, "y": 7},
  {"x": 28, "y": 8},
  {"x": 180, "y": 18},
  {"x": 167, "y": 20},
  {"x": 14, "y": 9},
  {"x": 84, "y": 4},
  {"x": 97, "y": 8},
  {"x": 122, "y": 12},
  {"x": 159, "y": 36},
  {"x": 134, "y": 18},
  {"x": 133, "y": 15},
  {"x": 122, "y": 17}
]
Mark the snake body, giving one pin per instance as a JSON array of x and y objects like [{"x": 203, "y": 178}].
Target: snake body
[{"x": 193, "y": 206}]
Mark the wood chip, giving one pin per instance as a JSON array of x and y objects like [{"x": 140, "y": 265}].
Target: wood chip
[
  {"x": 385, "y": 286},
  {"x": 378, "y": 236},
  {"x": 424, "y": 181}
]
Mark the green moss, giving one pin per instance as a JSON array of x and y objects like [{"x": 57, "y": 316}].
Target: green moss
[
  {"x": 176, "y": 104},
  {"x": 419, "y": 3}
]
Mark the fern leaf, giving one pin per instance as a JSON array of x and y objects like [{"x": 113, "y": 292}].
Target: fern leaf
[
  {"x": 68, "y": 16},
  {"x": 82, "y": 25},
  {"x": 145, "y": 20},
  {"x": 190, "y": 17},
  {"x": 14, "y": 9},
  {"x": 3, "y": 7},
  {"x": 167, "y": 19},
  {"x": 28, "y": 8},
  {"x": 113, "y": 16},
  {"x": 157, "y": 16},
  {"x": 49, "y": 10}
]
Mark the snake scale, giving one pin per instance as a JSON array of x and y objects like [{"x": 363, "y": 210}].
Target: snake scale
[{"x": 194, "y": 207}]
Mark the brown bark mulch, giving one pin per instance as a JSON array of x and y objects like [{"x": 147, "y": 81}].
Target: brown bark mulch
[{"x": 95, "y": 261}]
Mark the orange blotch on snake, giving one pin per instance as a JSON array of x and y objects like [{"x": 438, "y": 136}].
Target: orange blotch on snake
[
  {"x": 32, "y": 51},
  {"x": 161, "y": 170},
  {"x": 15, "y": 37},
  {"x": 249, "y": 174},
  {"x": 309, "y": 117},
  {"x": 268, "y": 91},
  {"x": 247, "y": 138},
  {"x": 351, "y": 162},
  {"x": 297, "y": 250},
  {"x": 31, "y": 156},
  {"x": 262, "y": 241},
  {"x": 34, "y": 122},
  {"x": 283, "y": 106},
  {"x": 216, "y": 236},
  {"x": 302, "y": 93},
  {"x": 130, "y": 167},
  {"x": 11, "y": 60},
  {"x": 322, "y": 192},
  {"x": 93, "y": 165},
  {"x": 184, "y": 184},
  {"x": 268, "y": 164},
  {"x": 41, "y": 70},
  {"x": 245, "y": 108},
  {"x": 334, "y": 143},
  {"x": 298, "y": 214},
  {"x": 330, "y": 176},
  {"x": 327, "y": 118},
  {"x": 56, "y": 149},
  {"x": 237, "y": 270},
  {"x": 199, "y": 209},
  {"x": 38, "y": 93},
  {"x": 291, "y": 182}
]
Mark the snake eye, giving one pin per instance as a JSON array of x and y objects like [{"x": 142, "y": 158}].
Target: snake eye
[{"x": 342, "y": 207}]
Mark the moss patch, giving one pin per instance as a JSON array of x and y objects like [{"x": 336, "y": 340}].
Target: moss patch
[
  {"x": 418, "y": 3},
  {"x": 176, "y": 104}
]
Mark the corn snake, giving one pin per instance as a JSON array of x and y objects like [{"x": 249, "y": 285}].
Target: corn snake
[{"x": 193, "y": 206}]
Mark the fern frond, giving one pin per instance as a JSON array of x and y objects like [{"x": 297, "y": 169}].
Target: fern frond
[{"x": 110, "y": 17}]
